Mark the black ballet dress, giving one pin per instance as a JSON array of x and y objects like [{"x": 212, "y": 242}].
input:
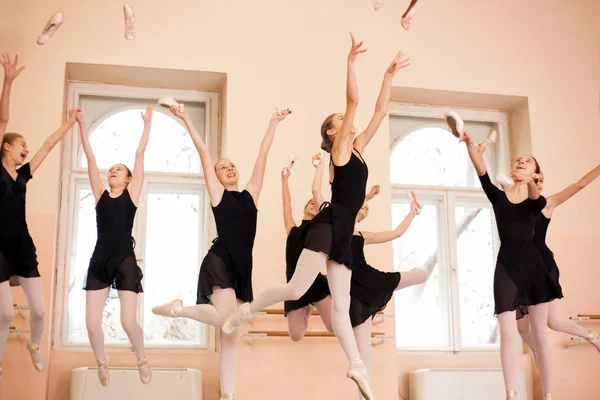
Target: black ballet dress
[
  {"x": 319, "y": 289},
  {"x": 370, "y": 288},
  {"x": 539, "y": 237},
  {"x": 521, "y": 278},
  {"x": 331, "y": 230},
  {"x": 113, "y": 262},
  {"x": 17, "y": 251},
  {"x": 228, "y": 263}
]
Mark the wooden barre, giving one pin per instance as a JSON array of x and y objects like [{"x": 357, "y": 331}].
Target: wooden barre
[
  {"x": 276, "y": 311},
  {"x": 590, "y": 316},
  {"x": 306, "y": 334}
]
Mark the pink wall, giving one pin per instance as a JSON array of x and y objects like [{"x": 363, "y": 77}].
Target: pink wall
[{"x": 293, "y": 53}]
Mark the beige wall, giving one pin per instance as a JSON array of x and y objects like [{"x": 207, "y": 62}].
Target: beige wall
[{"x": 292, "y": 53}]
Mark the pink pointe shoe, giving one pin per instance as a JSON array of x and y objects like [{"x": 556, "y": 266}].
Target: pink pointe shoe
[
  {"x": 55, "y": 21},
  {"x": 168, "y": 102},
  {"x": 289, "y": 164},
  {"x": 505, "y": 181},
  {"x": 357, "y": 373},
  {"x": 236, "y": 319},
  {"x": 455, "y": 123},
  {"x": 129, "y": 21},
  {"x": 377, "y": 4}
]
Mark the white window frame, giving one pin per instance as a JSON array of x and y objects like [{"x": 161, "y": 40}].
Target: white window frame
[
  {"x": 71, "y": 174},
  {"x": 449, "y": 196}
]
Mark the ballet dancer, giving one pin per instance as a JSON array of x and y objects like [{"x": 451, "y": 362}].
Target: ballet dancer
[
  {"x": 521, "y": 278},
  {"x": 326, "y": 238},
  {"x": 18, "y": 257},
  {"x": 225, "y": 279},
  {"x": 318, "y": 295},
  {"x": 113, "y": 262}
]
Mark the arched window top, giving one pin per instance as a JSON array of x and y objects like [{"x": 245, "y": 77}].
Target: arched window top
[
  {"x": 431, "y": 156},
  {"x": 115, "y": 139}
]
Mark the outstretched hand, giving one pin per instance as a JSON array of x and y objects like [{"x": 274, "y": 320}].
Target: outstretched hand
[
  {"x": 521, "y": 177},
  {"x": 177, "y": 112},
  {"x": 355, "y": 50},
  {"x": 468, "y": 140},
  {"x": 10, "y": 67},
  {"x": 72, "y": 114},
  {"x": 399, "y": 62},
  {"x": 280, "y": 115}
]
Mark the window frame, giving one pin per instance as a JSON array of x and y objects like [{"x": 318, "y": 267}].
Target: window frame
[
  {"x": 447, "y": 226},
  {"x": 71, "y": 175}
]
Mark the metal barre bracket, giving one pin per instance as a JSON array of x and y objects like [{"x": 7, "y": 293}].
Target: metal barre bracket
[
  {"x": 20, "y": 309},
  {"x": 19, "y": 332},
  {"x": 579, "y": 319}
]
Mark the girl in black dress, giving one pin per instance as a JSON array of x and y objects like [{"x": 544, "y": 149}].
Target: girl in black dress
[
  {"x": 318, "y": 295},
  {"x": 327, "y": 237},
  {"x": 225, "y": 279},
  {"x": 18, "y": 259},
  {"x": 521, "y": 278},
  {"x": 555, "y": 321},
  {"x": 113, "y": 263}
]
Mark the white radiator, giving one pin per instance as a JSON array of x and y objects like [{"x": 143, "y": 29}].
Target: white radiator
[
  {"x": 462, "y": 384},
  {"x": 125, "y": 384}
]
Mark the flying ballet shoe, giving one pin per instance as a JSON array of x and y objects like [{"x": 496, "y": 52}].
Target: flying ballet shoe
[
  {"x": 104, "y": 380},
  {"x": 289, "y": 164},
  {"x": 593, "y": 337},
  {"x": 34, "y": 349},
  {"x": 145, "y": 379},
  {"x": 55, "y": 21},
  {"x": 362, "y": 381},
  {"x": 490, "y": 138},
  {"x": 377, "y": 4},
  {"x": 413, "y": 199},
  {"x": 226, "y": 396},
  {"x": 455, "y": 123},
  {"x": 511, "y": 395},
  {"x": 237, "y": 318},
  {"x": 129, "y": 21},
  {"x": 317, "y": 158},
  {"x": 170, "y": 309},
  {"x": 505, "y": 181},
  {"x": 167, "y": 102}
]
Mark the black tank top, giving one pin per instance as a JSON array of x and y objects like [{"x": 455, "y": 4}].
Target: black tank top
[
  {"x": 114, "y": 216},
  {"x": 235, "y": 217},
  {"x": 541, "y": 228},
  {"x": 293, "y": 249},
  {"x": 349, "y": 184},
  {"x": 12, "y": 201}
]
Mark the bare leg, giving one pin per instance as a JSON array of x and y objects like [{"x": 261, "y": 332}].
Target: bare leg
[
  {"x": 297, "y": 321},
  {"x": 539, "y": 321},
  {"x": 95, "y": 300},
  {"x": 324, "y": 308},
  {"x": 129, "y": 302},
  {"x": 362, "y": 334},
  {"x": 413, "y": 277},
  {"x": 508, "y": 354},
  {"x": 37, "y": 312}
]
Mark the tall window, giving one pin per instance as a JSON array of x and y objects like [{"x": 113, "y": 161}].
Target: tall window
[
  {"x": 454, "y": 238},
  {"x": 171, "y": 229}
]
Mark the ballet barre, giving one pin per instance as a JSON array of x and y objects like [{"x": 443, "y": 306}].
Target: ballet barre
[
  {"x": 19, "y": 309},
  {"x": 262, "y": 334},
  {"x": 278, "y": 311},
  {"x": 19, "y": 332}
]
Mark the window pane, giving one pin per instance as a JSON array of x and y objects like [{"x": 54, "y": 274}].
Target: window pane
[
  {"x": 432, "y": 157},
  {"x": 475, "y": 257},
  {"x": 421, "y": 311},
  {"x": 115, "y": 140},
  {"x": 174, "y": 242},
  {"x": 83, "y": 242}
]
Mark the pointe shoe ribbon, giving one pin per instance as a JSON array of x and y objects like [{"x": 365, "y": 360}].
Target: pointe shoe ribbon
[
  {"x": 34, "y": 349},
  {"x": 145, "y": 379}
]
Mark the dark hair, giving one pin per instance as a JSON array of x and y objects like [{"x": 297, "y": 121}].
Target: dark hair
[
  {"x": 537, "y": 165},
  {"x": 9, "y": 138},
  {"x": 326, "y": 142}
]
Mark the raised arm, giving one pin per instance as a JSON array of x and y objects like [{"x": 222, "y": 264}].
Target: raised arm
[
  {"x": 342, "y": 145},
  {"x": 387, "y": 236},
  {"x": 318, "y": 181},
  {"x": 532, "y": 190},
  {"x": 255, "y": 183},
  {"x": 375, "y": 190},
  {"x": 53, "y": 139},
  {"x": 381, "y": 107},
  {"x": 288, "y": 219},
  {"x": 10, "y": 74},
  {"x": 135, "y": 186},
  {"x": 215, "y": 189},
  {"x": 93, "y": 171},
  {"x": 476, "y": 158},
  {"x": 557, "y": 199}
]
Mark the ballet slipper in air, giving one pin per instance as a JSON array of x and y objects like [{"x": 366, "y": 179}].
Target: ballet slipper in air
[
  {"x": 455, "y": 123},
  {"x": 317, "y": 158},
  {"x": 167, "y": 102},
  {"x": 377, "y": 4},
  {"x": 289, "y": 164},
  {"x": 504, "y": 181},
  {"x": 491, "y": 138},
  {"x": 413, "y": 199},
  {"x": 55, "y": 21},
  {"x": 129, "y": 21}
]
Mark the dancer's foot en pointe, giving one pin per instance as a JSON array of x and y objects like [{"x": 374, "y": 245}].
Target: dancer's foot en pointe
[
  {"x": 358, "y": 373},
  {"x": 36, "y": 356},
  {"x": 237, "y": 319},
  {"x": 226, "y": 396},
  {"x": 511, "y": 395},
  {"x": 547, "y": 396},
  {"x": 103, "y": 374},
  {"x": 129, "y": 21},
  {"x": 455, "y": 123},
  {"x": 410, "y": 13},
  {"x": 55, "y": 21},
  {"x": 170, "y": 309},
  {"x": 594, "y": 339},
  {"x": 145, "y": 370}
]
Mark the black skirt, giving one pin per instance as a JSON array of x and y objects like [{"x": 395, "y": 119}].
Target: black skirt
[
  {"x": 18, "y": 257},
  {"x": 370, "y": 292},
  {"x": 317, "y": 292},
  {"x": 216, "y": 272}
]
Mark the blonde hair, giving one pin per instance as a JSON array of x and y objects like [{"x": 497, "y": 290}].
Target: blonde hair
[{"x": 9, "y": 138}]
